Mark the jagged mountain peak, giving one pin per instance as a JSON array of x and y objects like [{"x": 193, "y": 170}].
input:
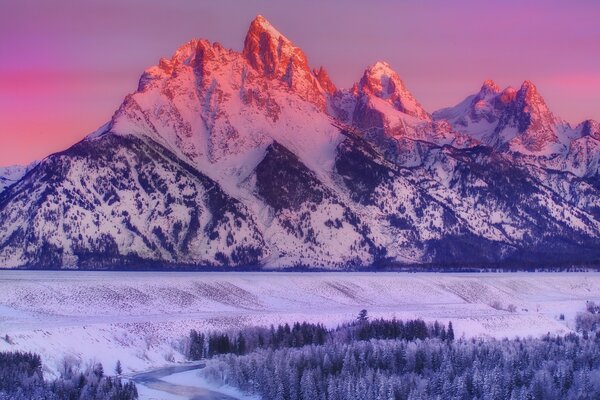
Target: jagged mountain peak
[
  {"x": 324, "y": 80},
  {"x": 381, "y": 67},
  {"x": 484, "y": 101},
  {"x": 528, "y": 93},
  {"x": 186, "y": 52},
  {"x": 489, "y": 87},
  {"x": 196, "y": 54},
  {"x": 377, "y": 76},
  {"x": 268, "y": 51},
  {"x": 528, "y": 86},
  {"x": 211, "y": 103},
  {"x": 275, "y": 56},
  {"x": 529, "y": 101},
  {"x": 261, "y": 24},
  {"x": 511, "y": 119},
  {"x": 382, "y": 81},
  {"x": 538, "y": 130}
]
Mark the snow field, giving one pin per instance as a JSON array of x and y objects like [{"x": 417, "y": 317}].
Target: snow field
[{"x": 141, "y": 318}]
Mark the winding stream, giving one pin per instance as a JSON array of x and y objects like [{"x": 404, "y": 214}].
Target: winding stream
[{"x": 153, "y": 380}]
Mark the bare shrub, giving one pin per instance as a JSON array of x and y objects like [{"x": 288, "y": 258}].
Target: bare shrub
[
  {"x": 69, "y": 366},
  {"x": 592, "y": 307},
  {"x": 587, "y": 322}
]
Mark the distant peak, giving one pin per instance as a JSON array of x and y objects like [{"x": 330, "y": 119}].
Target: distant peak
[
  {"x": 489, "y": 87},
  {"x": 381, "y": 78},
  {"x": 382, "y": 81},
  {"x": 530, "y": 96},
  {"x": 380, "y": 68},
  {"x": 381, "y": 64},
  {"x": 527, "y": 84},
  {"x": 528, "y": 90}
]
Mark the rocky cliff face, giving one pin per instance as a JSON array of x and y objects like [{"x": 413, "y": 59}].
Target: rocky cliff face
[{"x": 254, "y": 159}]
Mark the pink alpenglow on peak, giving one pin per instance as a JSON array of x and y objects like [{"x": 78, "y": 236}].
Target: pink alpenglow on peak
[
  {"x": 268, "y": 50},
  {"x": 382, "y": 81},
  {"x": 442, "y": 49},
  {"x": 517, "y": 120},
  {"x": 489, "y": 87},
  {"x": 275, "y": 56},
  {"x": 231, "y": 158},
  {"x": 325, "y": 80},
  {"x": 508, "y": 95},
  {"x": 195, "y": 54},
  {"x": 211, "y": 104}
]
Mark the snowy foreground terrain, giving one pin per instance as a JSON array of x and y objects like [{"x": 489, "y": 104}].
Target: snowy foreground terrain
[{"x": 141, "y": 318}]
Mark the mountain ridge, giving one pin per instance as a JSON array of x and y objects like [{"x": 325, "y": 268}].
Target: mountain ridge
[{"x": 225, "y": 159}]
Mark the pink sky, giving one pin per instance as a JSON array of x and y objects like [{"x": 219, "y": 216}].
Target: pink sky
[{"x": 65, "y": 66}]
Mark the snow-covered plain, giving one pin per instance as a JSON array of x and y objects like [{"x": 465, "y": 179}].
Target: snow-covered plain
[{"x": 140, "y": 318}]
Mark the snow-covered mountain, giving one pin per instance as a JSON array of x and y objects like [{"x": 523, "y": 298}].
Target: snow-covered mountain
[
  {"x": 520, "y": 122},
  {"x": 253, "y": 158},
  {"x": 514, "y": 120}
]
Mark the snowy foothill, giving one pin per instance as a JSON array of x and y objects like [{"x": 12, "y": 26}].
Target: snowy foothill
[{"x": 142, "y": 318}]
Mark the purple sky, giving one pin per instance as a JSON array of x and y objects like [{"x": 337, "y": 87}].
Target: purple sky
[{"x": 65, "y": 65}]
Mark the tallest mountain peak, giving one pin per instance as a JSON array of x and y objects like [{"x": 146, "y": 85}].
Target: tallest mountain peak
[
  {"x": 260, "y": 25},
  {"x": 275, "y": 56},
  {"x": 268, "y": 51}
]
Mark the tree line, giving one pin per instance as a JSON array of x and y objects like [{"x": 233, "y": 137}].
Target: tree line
[
  {"x": 21, "y": 378},
  {"x": 297, "y": 335},
  {"x": 549, "y": 368}
]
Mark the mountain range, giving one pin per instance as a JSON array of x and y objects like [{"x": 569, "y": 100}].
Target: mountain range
[{"x": 254, "y": 159}]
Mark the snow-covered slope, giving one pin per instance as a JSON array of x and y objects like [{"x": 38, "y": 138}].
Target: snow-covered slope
[
  {"x": 469, "y": 206},
  {"x": 11, "y": 174},
  {"x": 583, "y": 155},
  {"x": 140, "y": 318},
  {"x": 253, "y": 158},
  {"x": 478, "y": 114},
  {"x": 113, "y": 200}
]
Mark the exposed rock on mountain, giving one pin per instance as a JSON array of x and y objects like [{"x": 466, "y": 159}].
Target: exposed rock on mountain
[
  {"x": 120, "y": 200},
  {"x": 510, "y": 120}
]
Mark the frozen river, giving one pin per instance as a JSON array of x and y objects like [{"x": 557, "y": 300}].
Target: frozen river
[{"x": 176, "y": 382}]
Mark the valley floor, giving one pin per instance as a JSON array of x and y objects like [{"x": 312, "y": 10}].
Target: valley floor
[{"x": 141, "y": 318}]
